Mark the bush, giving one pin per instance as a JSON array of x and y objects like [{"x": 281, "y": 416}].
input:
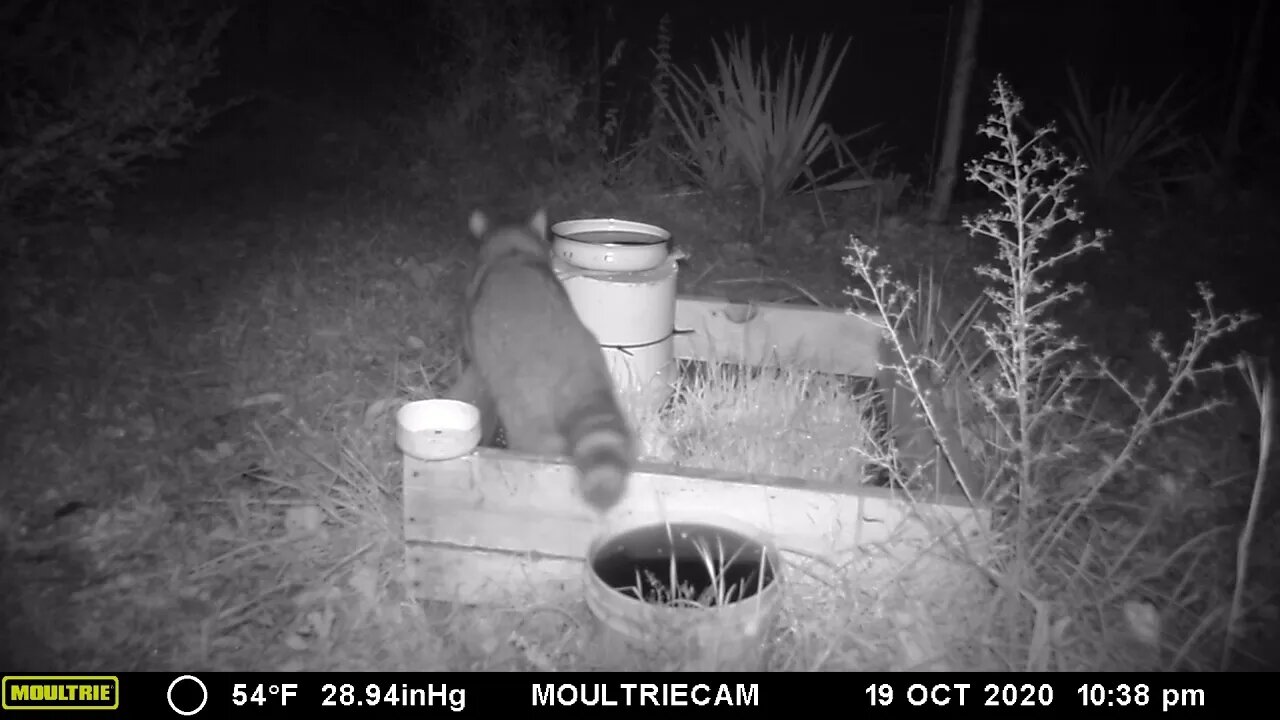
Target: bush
[
  {"x": 91, "y": 91},
  {"x": 746, "y": 122},
  {"x": 1127, "y": 145},
  {"x": 1101, "y": 562}
]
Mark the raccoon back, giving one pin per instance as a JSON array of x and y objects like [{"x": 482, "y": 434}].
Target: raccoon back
[{"x": 543, "y": 369}]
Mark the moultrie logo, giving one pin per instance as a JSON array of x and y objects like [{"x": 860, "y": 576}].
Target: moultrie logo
[{"x": 61, "y": 692}]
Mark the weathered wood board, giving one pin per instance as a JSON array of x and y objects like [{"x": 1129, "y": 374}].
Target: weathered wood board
[
  {"x": 499, "y": 527},
  {"x": 770, "y": 334}
]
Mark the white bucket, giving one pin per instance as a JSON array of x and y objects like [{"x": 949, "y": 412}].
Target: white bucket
[
  {"x": 644, "y": 376},
  {"x": 632, "y": 315}
]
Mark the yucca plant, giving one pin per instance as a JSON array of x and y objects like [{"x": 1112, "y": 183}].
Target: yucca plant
[
  {"x": 750, "y": 123},
  {"x": 1123, "y": 144},
  {"x": 707, "y": 157}
]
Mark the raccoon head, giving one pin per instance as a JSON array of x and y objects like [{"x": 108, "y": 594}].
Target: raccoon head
[
  {"x": 480, "y": 226},
  {"x": 530, "y": 239}
]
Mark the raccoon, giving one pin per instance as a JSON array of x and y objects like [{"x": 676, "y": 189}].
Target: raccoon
[{"x": 532, "y": 365}]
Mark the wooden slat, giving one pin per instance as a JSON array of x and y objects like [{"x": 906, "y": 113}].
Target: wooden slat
[
  {"x": 771, "y": 334},
  {"x": 498, "y": 529},
  {"x": 507, "y": 507},
  {"x": 473, "y": 576}
]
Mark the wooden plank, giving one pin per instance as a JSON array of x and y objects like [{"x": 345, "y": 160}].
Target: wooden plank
[
  {"x": 472, "y": 576},
  {"x": 500, "y": 528},
  {"x": 504, "y": 530},
  {"x": 771, "y": 334},
  {"x": 498, "y": 500}
]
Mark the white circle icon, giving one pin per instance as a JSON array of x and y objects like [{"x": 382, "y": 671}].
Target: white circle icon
[{"x": 204, "y": 692}]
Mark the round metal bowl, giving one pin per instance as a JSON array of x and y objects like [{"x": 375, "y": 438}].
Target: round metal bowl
[
  {"x": 608, "y": 244},
  {"x": 437, "y": 429}
]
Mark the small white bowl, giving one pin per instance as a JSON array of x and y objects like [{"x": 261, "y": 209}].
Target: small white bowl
[
  {"x": 437, "y": 429},
  {"x": 608, "y": 244}
]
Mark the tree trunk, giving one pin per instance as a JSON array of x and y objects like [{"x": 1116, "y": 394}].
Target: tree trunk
[
  {"x": 1244, "y": 86},
  {"x": 966, "y": 51}
]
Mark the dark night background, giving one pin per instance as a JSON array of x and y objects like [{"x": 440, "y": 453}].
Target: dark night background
[
  {"x": 894, "y": 74},
  {"x": 377, "y": 59},
  {"x": 370, "y": 61}
]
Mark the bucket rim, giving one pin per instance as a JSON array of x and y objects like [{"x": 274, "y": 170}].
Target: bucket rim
[{"x": 566, "y": 229}]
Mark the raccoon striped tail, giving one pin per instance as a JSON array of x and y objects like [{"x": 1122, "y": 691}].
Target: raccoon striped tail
[{"x": 603, "y": 450}]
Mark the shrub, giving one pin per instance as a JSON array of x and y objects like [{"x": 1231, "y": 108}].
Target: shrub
[
  {"x": 1082, "y": 543},
  {"x": 510, "y": 77},
  {"x": 93, "y": 90},
  {"x": 750, "y": 124},
  {"x": 1124, "y": 145}
]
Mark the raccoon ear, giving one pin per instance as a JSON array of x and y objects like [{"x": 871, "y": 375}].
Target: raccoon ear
[
  {"x": 479, "y": 224},
  {"x": 538, "y": 223}
]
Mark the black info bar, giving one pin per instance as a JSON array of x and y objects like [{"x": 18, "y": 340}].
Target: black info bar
[{"x": 209, "y": 694}]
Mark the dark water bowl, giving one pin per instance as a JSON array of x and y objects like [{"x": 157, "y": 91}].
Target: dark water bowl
[{"x": 708, "y": 587}]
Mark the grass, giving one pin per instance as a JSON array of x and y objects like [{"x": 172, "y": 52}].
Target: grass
[
  {"x": 676, "y": 591},
  {"x": 783, "y": 421},
  {"x": 220, "y": 467}
]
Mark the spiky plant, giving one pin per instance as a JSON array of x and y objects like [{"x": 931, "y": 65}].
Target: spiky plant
[
  {"x": 1124, "y": 144},
  {"x": 750, "y": 123}
]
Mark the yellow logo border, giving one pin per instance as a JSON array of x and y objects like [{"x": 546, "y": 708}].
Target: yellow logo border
[{"x": 60, "y": 679}]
